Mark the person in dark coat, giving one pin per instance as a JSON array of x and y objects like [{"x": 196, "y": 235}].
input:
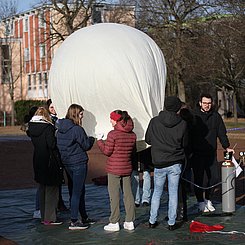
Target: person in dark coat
[
  {"x": 206, "y": 128},
  {"x": 119, "y": 147},
  {"x": 73, "y": 144},
  {"x": 54, "y": 118},
  {"x": 46, "y": 164},
  {"x": 166, "y": 133},
  {"x": 24, "y": 127},
  {"x": 142, "y": 165}
]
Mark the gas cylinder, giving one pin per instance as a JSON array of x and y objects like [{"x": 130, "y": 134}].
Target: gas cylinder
[{"x": 228, "y": 184}]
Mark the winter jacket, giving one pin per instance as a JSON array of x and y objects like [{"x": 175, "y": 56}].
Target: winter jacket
[
  {"x": 72, "y": 142},
  {"x": 205, "y": 129},
  {"x": 119, "y": 147},
  {"x": 167, "y": 135},
  {"x": 46, "y": 162}
]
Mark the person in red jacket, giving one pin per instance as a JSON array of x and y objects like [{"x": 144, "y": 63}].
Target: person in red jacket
[{"x": 119, "y": 147}]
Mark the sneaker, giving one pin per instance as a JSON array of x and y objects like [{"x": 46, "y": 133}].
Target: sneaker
[
  {"x": 128, "y": 225},
  {"x": 173, "y": 227},
  {"x": 112, "y": 227},
  {"x": 52, "y": 222},
  {"x": 202, "y": 207},
  {"x": 209, "y": 205},
  {"x": 152, "y": 226},
  {"x": 88, "y": 221},
  {"x": 78, "y": 225},
  {"x": 37, "y": 214},
  {"x": 137, "y": 205},
  {"x": 145, "y": 204}
]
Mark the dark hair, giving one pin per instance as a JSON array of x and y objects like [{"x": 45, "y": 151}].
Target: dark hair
[
  {"x": 206, "y": 95},
  {"x": 73, "y": 113},
  {"x": 31, "y": 113},
  {"x": 124, "y": 115},
  {"x": 49, "y": 102}
]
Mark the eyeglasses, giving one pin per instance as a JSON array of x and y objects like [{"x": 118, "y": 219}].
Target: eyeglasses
[{"x": 207, "y": 103}]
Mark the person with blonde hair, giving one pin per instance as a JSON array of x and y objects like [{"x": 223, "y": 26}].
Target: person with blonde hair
[
  {"x": 47, "y": 166},
  {"x": 73, "y": 144}
]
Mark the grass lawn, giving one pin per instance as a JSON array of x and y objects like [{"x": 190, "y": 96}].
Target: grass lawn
[{"x": 229, "y": 123}]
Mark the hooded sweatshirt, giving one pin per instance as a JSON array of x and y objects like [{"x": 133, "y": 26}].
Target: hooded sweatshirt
[
  {"x": 72, "y": 142},
  {"x": 167, "y": 135},
  {"x": 119, "y": 147}
]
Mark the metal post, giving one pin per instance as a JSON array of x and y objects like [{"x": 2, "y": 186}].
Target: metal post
[{"x": 4, "y": 119}]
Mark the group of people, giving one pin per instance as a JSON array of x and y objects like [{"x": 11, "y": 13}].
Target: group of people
[
  {"x": 181, "y": 139},
  {"x": 177, "y": 137}
]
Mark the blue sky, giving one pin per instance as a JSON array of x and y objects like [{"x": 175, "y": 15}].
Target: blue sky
[{"x": 24, "y": 5}]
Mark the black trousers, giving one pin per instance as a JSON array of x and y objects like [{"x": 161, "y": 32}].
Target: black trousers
[{"x": 201, "y": 166}]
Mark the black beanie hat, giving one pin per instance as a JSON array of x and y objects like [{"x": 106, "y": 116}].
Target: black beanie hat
[{"x": 172, "y": 103}]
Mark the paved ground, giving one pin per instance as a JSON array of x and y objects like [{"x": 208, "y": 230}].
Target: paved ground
[{"x": 17, "y": 224}]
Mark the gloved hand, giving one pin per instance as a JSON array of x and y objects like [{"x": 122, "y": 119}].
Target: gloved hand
[{"x": 99, "y": 136}]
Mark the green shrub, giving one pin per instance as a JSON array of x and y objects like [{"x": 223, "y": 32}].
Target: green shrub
[{"x": 22, "y": 108}]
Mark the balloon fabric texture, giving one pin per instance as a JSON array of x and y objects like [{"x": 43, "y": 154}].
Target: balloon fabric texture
[{"x": 106, "y": 67}]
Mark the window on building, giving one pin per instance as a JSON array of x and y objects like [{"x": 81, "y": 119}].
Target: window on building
[
  {"x": 40, "y": 80},
  {"x": 9, "y": 28},
  {"x": 26, "y": 54},
  {"x": 26, "y": 24},
  {"x": 42, "y": 50},
  {"x": 41, "y": 19},
  {"x": 96, "y": 14},
  {"x": 34, "y": 81},
  {"x": 45, "y": 80},
  {"x": 6, "y": 63},
  {"x": 29, "y": 82}
]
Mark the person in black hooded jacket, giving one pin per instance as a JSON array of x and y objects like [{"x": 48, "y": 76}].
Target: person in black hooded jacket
[
  {"x": 206, "y": 127},
  {"x": 167, "y": 135},
  {"x": 46, "y": 164}
]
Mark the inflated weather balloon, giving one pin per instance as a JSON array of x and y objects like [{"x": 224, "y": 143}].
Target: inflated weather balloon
[{"x": 105, "y": 67}]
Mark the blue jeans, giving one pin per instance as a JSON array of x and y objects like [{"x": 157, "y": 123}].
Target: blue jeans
[
  {"x": 78, "y": 174},
  {"x": 160, "y": 174},
  {"x": 146, "y": 195}
]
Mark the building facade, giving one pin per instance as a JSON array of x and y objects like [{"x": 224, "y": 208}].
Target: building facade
[{"x": 27, "y": 49}]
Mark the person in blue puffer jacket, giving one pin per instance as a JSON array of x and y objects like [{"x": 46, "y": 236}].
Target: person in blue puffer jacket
[{"x": 73, "y": 144}]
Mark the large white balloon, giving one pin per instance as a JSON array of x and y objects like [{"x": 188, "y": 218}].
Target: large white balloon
[{"x": 105, "y": 67}]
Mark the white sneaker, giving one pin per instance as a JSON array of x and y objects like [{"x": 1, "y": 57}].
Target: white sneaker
[
  {"x": 202, "y": 207},
  {"x": 112, "y": 227},
  {"x": 128, "y": 225},
  {"x": 209, "y": 205},
  {"x": 37, "y": 214}
]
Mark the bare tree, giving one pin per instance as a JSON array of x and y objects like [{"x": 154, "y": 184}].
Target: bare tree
[
  {"x": 67, "y": 16},
  {"x": 217, "y": 52},
  {"x": 7, "y": 8},
  {"x": 10, "y": 64},
  {"x": 169, "y": 22}
]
